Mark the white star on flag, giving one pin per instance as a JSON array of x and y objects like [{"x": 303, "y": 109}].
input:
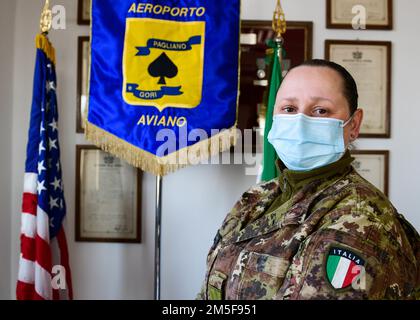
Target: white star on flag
[
  {"x": 58, "y": 166},
  {"x": 50, "y": 85},
  {"x": 40, "y": 187},
  {"x": 53, "y": 125},
  {"x": 53, "y": 203},
  {"x": 41, "y": 147},
  {"x": 52, "y": 143},
  {"x": 42, "y": 128},
  {"x": 41, "y": 167},
  {"x": 51, "y": 222},
  {"x": 56, "y": 183}
]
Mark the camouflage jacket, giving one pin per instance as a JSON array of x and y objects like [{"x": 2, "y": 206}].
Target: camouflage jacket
[{"x": 335, "y": 239}]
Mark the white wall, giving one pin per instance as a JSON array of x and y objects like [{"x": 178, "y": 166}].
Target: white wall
[
  {"x": 7, "y": 18},
  {"x": 195, "y": 199}
]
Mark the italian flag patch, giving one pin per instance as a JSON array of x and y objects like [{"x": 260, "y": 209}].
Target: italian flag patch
[{"x": 342, "y": 267}]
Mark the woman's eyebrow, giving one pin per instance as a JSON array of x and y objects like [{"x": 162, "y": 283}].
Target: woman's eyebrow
[
  {"x": 315, "y": 98},
  {"x": 291, "y": 99}
]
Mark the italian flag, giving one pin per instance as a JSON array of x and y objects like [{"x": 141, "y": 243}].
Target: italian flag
[{"x": 341, "y": 271}]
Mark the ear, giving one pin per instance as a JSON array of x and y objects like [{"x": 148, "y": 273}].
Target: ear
[{"x": 355, "y": 124}]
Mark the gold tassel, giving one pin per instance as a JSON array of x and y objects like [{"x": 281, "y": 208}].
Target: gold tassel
[
  {"x": 160, "y": 165},
  {"x": 44, "y": 44}
]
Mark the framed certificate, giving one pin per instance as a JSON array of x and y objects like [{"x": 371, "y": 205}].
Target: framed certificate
[
  {"x": 356, "y": 14},
  {"x": 83, "y": 12},
  {"x": 107, "y": 197},
  {"x": 373, "y": 166},
  {"x": 369, "y": 62},
  {"x": 83, "y": 62}
]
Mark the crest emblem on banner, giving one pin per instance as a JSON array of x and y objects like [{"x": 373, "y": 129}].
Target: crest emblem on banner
[{"x": 163, "y": 63}]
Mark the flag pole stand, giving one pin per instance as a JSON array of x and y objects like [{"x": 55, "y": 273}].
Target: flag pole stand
[{"x": 158, "y": 225}]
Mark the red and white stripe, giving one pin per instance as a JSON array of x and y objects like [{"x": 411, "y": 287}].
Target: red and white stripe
[{"x": 35, "y": 265}]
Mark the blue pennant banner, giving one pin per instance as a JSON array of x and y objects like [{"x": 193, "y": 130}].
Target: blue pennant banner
[{"x": 163, "y": 80}]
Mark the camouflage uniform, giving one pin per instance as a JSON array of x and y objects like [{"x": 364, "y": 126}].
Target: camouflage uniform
[{"x": 261, "y": 252}]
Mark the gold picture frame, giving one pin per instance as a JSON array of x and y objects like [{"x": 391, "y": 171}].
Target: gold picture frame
[
  {"x": 83, "y": 64},
  {"x": 373, "y": 165},
  {"x": 379, "y": 14},
  {"x": 108, "y": 197},
  {"x": 83, "y": 12},
  {"x": 370, "y": 63}
]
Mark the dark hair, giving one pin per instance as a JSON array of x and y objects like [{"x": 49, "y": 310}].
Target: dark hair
[{"x": 349, "y": 84}]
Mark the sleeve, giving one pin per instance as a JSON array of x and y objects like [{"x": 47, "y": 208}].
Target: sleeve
[
  {"x": 230, "y": 223},
  {"x": 414, "y": 240},
  {"x": 339, "y": 265},
  {"x": 202, "y": 294},
  {"x": 241, "y": 213}
]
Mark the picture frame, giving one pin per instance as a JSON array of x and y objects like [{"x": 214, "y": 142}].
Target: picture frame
[
  {"x": 83, "y": 64},
  {"x": 373, "y": 165},
  {"x": 108, "y": 197},
  {"x": 255, "y": 71},
  {"x": 379, "y": 14},
  {"x": 83, "y": 12},
  {"x": 370, "y": 63}
]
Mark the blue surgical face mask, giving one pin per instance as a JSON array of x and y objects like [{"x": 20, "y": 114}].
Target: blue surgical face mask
[{"x": 304, "y": 143}]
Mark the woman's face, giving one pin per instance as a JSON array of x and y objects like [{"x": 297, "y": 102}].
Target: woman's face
[{"x": 317, "y": 92}]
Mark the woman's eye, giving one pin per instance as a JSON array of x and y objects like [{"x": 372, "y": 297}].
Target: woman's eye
[
  {"x": 288, "y": 109},
  {"x": 320, "y": 112}
]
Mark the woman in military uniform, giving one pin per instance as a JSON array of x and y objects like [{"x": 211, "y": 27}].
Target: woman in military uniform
[{"x": 319, "y": 230}]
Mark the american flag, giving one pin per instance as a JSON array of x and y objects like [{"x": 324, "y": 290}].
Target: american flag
[{"x": 44, "y": 256}]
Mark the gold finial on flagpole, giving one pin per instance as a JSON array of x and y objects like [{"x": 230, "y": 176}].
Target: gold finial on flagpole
[
  {"x": 279, "y": 21},
  {"x": 46, "y": 18}
]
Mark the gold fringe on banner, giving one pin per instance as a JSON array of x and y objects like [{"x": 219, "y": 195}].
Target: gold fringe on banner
[{"x": 146, "y": 161}]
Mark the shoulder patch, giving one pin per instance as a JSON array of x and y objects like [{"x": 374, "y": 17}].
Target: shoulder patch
[{"x": 342, "y": 267}]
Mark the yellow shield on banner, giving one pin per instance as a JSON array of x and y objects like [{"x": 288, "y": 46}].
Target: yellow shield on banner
[{"x": 163, "y": 63}]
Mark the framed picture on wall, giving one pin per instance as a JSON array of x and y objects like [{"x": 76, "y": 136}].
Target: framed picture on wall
[
  {"x": 108, "y": 196},
  {"x": 83, "y": 12},
  {"x": 369, "y": 62},
  {"x": 373, "y": 166},
  {"x": 255, "y": 68},
  {"x": 360, "y": 14},
  {"x": 83, "y": 63}
]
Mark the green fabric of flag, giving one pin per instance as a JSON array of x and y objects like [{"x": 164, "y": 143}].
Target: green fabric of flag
[{"x": 269, "y": 160}]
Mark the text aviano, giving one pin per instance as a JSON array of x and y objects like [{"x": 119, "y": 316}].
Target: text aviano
[
  {"x": 155, "y": 121},
  {"x": 162, "y": 10}
]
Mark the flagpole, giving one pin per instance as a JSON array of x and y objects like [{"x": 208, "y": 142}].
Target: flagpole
[{"x": 158, "y": 224}]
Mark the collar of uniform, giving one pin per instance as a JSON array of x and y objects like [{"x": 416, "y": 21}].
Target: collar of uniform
[
  {"x": 294, "y": 209},
  {"x": 295, "y": 180}
]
